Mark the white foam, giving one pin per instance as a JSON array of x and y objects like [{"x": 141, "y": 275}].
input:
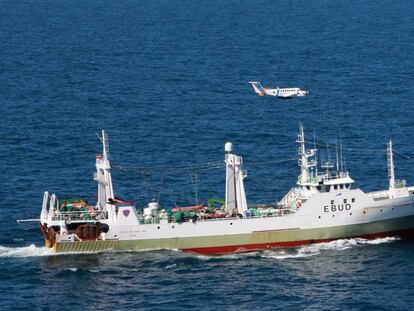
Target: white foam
[
  {"x": 27, "y": 251},
  {"x": 229, "y": 256},
  {"x": 315, "y": 249},
  {"x": 301, "y": 252},
  {"x": 382, "y": 240},
  {"x": 170, "y": 266},
  {"x": 304, "y": 251},
  {"x": 280, "y": 255}
]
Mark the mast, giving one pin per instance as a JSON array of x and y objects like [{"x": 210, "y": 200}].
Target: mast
[
  {"x": 314, "y": 147},
  {"x": 342, "y": 158},
  {"x": 390, "y": 164},
  {"x": 304, "y": 162},
  {"x": 337, "y": 158},
  {"x": 104, "y": 179},
  {"x": 327, "y": 164}
]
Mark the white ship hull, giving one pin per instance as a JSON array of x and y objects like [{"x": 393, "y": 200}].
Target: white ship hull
[{"x": 390, "y": 218}]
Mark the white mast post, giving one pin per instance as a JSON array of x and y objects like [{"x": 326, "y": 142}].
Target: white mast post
[
  {"x": 390, "y": 164},
  {"x": 235, "y": 193},
  {"x": 45, "y": 211},
  {"x": 230, "y": 200},
  {"x": 104, "y": 179},
  {"x": 303, "y": 161}
]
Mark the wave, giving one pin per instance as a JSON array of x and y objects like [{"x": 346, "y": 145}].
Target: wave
[
  {"x": 26, "y": 251},
  {"x": 71, "y": 269},
  {"x": 300, "y": 252},
  {"x": 170, "y": 266},
  {"x": 316, "y": 249},
  {"x": 230, "y": 256}
]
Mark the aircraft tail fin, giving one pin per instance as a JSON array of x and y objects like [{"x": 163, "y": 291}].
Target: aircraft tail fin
[{"x": 258, "y": 88}]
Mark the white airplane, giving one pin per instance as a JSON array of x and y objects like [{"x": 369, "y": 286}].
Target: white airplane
[{"x": 285, "y": 93}]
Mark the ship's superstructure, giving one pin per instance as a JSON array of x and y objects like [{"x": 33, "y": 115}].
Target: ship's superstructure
[
  {"x": 322, "y": 207},
  {"x": 235, "y": 194}
]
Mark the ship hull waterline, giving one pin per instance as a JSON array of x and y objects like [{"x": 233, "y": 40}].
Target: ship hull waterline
[{"x": 258, "y": 240}]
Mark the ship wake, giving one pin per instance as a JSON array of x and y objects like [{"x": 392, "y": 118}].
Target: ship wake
[
  {"x": 26, "y": 251},
  {"x": 316, "y": 249}
]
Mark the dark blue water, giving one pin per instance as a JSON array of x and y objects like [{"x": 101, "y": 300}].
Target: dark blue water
[{"x": 168, "y": 81}]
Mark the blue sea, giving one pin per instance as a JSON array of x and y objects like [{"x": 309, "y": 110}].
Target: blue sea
[{"x": 168, "y": 80}]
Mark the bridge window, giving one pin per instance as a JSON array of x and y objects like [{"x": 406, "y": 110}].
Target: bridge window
[
  {"x": 336, "y": 187},
  {"x": 332, "y": 202},
  {"x": 345, "y": 200},
  {"x": 308, "y": 188},
  {"x": 327, "y": 188},
  {"x": 341, "y": 186},
  {"x": 318, "y": 188},
  {"x": 353, "y": 200}
]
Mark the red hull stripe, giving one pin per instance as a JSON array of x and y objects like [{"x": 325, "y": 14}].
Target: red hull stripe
[{"x": 218, "y": 250}]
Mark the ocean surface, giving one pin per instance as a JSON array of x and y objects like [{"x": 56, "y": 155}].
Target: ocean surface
[{"x": 168, "y": 80}]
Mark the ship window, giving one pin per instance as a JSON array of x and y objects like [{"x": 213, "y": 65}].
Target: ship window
[
  {"x": 332, "y": 202},
  {"x": 327, "y": 188},
  {"x": 345, "y": 200},
  {"x": 336, "y": 187},
  {"x": 341, "y": 186},
  {"x": 353, "y": 200},
  {"x": 318, "y": 188},
  {"x": 308, "y": 187}
]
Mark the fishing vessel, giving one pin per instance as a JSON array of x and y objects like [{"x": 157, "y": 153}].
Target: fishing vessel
[{"x": 323, "y": 206}]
